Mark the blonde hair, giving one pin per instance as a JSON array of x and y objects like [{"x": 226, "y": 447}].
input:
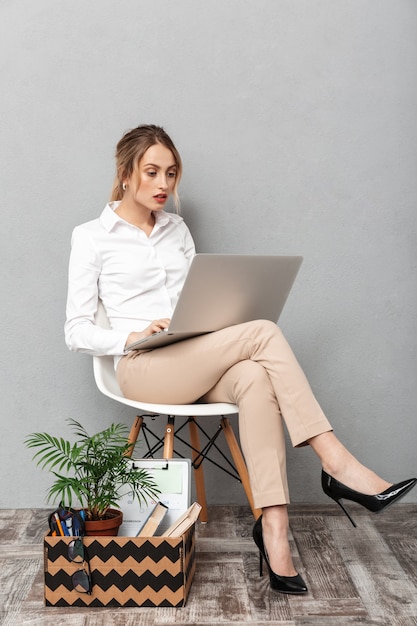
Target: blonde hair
[{"x": 130, "y": 150}]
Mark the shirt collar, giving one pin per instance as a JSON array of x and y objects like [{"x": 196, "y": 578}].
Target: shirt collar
[{"x": 109, "y": 218}]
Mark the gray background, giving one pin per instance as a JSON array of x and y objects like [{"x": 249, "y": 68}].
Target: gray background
[{"x": 297, "y": 125}]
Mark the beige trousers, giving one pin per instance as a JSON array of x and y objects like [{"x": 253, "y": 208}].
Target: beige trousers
[{"x": 251, "y": 365}]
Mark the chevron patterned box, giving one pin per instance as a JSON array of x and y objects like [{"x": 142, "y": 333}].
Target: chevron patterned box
[{"x": 125, "y": 571}]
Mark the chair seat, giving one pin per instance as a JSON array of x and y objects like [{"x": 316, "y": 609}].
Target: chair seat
[{"x": 106, "y": 382}]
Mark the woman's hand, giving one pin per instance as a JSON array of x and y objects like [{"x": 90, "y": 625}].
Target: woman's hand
[{"x": 154, "y": 327}]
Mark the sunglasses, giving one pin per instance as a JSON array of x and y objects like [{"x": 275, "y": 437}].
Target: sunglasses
[{"x": 81, "y": 579}]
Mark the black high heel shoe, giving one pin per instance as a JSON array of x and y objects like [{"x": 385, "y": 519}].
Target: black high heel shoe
[
  {"x": 283, "y": 584},
  {"x": 336, "y": 491}
]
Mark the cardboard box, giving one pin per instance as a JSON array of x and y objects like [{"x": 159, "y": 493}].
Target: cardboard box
[{"x": 125, "y": 571}]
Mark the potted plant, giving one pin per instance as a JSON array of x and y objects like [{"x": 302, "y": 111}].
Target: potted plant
[{"x": 95, "y": 471}]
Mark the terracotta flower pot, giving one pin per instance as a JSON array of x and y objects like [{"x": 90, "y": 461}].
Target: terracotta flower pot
[{"x": 108, "y": 526}]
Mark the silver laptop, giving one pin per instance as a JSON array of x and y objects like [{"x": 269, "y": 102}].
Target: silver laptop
[{"x": 223, "y": 290}]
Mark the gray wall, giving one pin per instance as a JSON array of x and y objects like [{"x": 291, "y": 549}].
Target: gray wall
[{"x": 297, "y": 125}]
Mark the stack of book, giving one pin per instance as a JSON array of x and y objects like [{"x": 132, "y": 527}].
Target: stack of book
[{"x": 178, "y": 528}]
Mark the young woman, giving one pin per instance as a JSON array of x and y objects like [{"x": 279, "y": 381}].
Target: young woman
[{"x": 135, "y": 258}]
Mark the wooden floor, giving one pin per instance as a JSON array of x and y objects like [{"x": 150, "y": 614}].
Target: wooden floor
[{"x": 366, "y": 575}]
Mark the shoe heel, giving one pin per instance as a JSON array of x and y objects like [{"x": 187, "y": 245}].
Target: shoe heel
[
  {"x": 260, "y": 564},
  {"x": 345, "y": 511}
]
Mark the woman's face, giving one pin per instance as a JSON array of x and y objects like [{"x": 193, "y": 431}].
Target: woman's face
[{"x": 155, "y": 178}]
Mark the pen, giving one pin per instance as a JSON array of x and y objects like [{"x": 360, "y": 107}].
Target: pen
[
  {"x": 68, "y": 523},
  {"x": 59, "y": 526}
]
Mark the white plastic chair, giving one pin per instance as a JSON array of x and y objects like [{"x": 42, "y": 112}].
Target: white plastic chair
[{"x": 106, "y": 382}]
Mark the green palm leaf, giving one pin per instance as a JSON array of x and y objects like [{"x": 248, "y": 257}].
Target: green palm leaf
[{"x": 93, "y": 470}]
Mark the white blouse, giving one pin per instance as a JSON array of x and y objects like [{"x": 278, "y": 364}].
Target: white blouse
[{"x": 138, "y": 278}]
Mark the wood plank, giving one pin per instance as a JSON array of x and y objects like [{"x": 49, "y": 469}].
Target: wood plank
[
  {"x": 322, "y": 564},
  {"x": 385, "y": 589},
  {"x": 307, "y": 606},
  {"x": 219, "y": 587},
  {"x": 16, "y": 581},
  {"x": 221, "y": 524},
  {"x": 21, "y": 551},
  {"x": 22, "y": 526},
  {"x": 225, "y": 545},
  {"x": 365, "y": 576},
  {"x": 265, "y": 603},
  {"x": 400, "y": 535}
]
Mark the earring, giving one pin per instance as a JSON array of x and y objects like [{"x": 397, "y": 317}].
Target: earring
[{"x": 124, "y": 186}]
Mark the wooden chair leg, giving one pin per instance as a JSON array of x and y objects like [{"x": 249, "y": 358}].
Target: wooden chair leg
[
  {"x": 169, "y": 438},
  {"x": 168, "y": 453},
  {"x": 134, "y": 434},
  {"x": 239, "y": 462},
  {"x": 198, "y": 471}
]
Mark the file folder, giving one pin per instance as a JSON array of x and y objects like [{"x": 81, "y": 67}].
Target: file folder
[{"x": 173, "y": 478}]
